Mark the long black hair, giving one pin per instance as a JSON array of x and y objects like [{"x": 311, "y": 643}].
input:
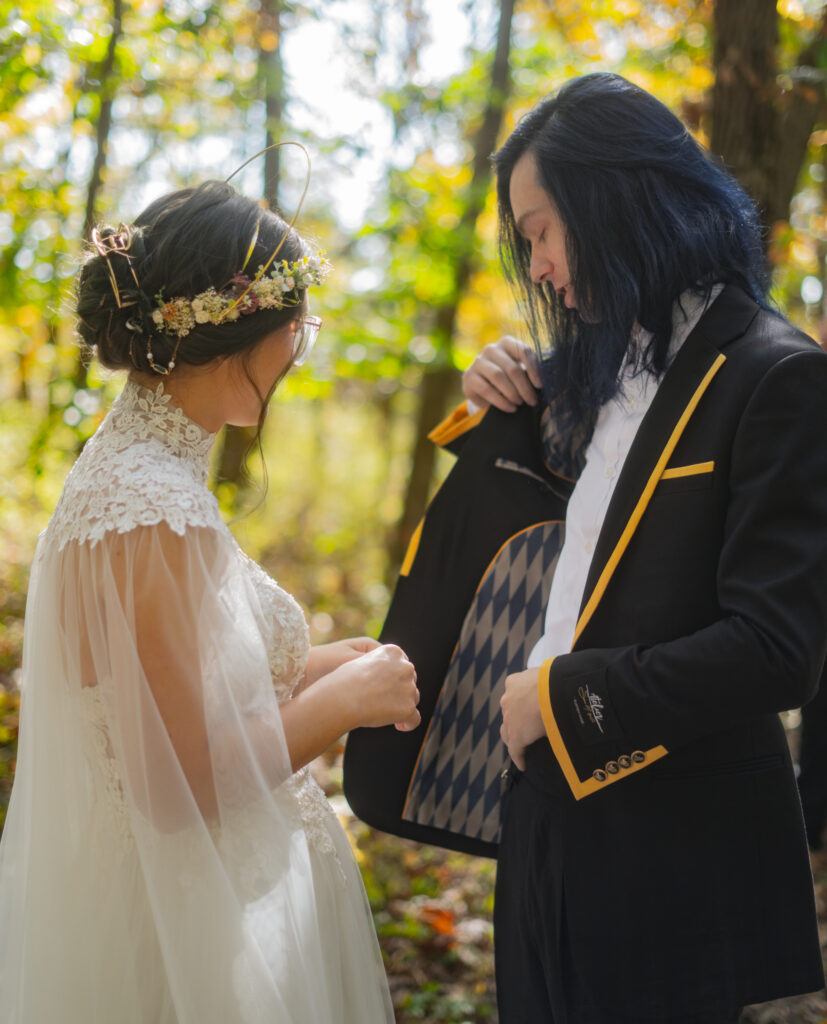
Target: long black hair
[{"x": 648, "y": 214}]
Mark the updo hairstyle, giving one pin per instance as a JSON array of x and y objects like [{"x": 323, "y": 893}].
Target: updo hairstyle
[{"x": 181, "y": 245}]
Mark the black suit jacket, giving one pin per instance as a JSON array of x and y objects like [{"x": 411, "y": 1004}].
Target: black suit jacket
[
  {"x": 678, "y": 824},
  {"x": 706, "y": 597}
]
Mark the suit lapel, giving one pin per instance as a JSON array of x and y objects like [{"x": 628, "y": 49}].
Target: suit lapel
[{"x": 675, "y": 401}]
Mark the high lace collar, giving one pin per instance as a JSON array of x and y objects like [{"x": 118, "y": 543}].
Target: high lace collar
[{"x": 141, "y": 412}]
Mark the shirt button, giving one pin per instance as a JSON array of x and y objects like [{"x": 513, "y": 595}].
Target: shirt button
[
  {"x": 609, "y": 471},
  {"x": 588, "y": 547}
]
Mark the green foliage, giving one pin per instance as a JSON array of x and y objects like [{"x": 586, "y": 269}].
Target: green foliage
[{"x": 335, "y": 471}]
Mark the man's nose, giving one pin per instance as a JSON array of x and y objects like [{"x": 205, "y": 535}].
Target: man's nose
[{"x": 540, "y": 266}]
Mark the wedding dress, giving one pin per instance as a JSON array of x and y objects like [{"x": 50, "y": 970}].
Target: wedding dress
[{"x": 161, "y": 864}]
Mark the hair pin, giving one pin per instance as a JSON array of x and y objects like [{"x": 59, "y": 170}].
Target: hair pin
[{"x": 117, "y": 243}]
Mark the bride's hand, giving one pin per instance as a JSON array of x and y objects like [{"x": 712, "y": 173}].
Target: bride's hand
[
  {"x": 325, "y": 658},
  {"x": 382, "y": 688},
  {"x": 504, "y": 375},
  {"x": 370, "y": 689}
]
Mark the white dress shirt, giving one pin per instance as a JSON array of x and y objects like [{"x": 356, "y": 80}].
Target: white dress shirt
[{"x": 615, "y": 430}]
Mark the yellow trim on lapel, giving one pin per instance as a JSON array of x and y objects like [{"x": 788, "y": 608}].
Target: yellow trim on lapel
[
  {"x": 694, "y": 470},
  {"x": 643, "y": 501},
  {"x": 413, "y": 547},
  {"x": 580, "y": 787},
  {"x": 458, "y": 423}
]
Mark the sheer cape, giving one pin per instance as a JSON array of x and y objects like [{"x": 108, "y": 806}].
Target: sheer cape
[{"x": 160, "y": 861}]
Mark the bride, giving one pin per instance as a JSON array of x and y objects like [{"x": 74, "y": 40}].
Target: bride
[{"x": 167, "y": 857}]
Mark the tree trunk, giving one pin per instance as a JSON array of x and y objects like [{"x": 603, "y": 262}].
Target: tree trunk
[
  {"x": 107, "y": 82},
  {"x": 236, "y": 441},
  {"x": 761, "y": 124},
  {"x": 108, "y": 87},
  {"x": 439, "y": 383},
  {"x": 271, "y": 71}
]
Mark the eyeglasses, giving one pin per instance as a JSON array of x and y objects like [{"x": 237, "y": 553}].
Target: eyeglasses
[{"x": 305, "y": 338}]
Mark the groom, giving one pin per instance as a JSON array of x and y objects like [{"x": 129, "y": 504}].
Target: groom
[{"x": 652, "y": 862}]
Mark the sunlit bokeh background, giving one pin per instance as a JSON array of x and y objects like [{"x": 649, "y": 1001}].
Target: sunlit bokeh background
[{"x": 106, "y": 105}]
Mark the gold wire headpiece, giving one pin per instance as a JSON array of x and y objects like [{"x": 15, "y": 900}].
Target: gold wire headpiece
[
  {"x": 271, "y": 287},
  {"x": 180, "y": 315},
  {"x": 262, "y": 270}
]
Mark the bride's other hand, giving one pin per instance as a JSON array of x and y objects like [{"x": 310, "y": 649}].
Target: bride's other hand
[
  {"x": 382, "y": 686},
  {"x": 370, "y": 689},
  {"x": 505, "y": 375},
  {"x": 325, "y": 658}
]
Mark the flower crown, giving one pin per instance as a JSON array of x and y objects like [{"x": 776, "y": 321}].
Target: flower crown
[{"x": 271, "y": 290}]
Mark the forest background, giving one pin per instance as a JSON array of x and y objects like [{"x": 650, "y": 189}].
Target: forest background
[{"x": 106, "y": 105}]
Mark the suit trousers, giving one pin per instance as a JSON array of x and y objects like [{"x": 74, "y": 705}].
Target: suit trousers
[{"x": 539, "y": 980}]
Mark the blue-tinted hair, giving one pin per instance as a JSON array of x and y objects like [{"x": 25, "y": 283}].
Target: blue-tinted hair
[{"x": 648, "y": 215}]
